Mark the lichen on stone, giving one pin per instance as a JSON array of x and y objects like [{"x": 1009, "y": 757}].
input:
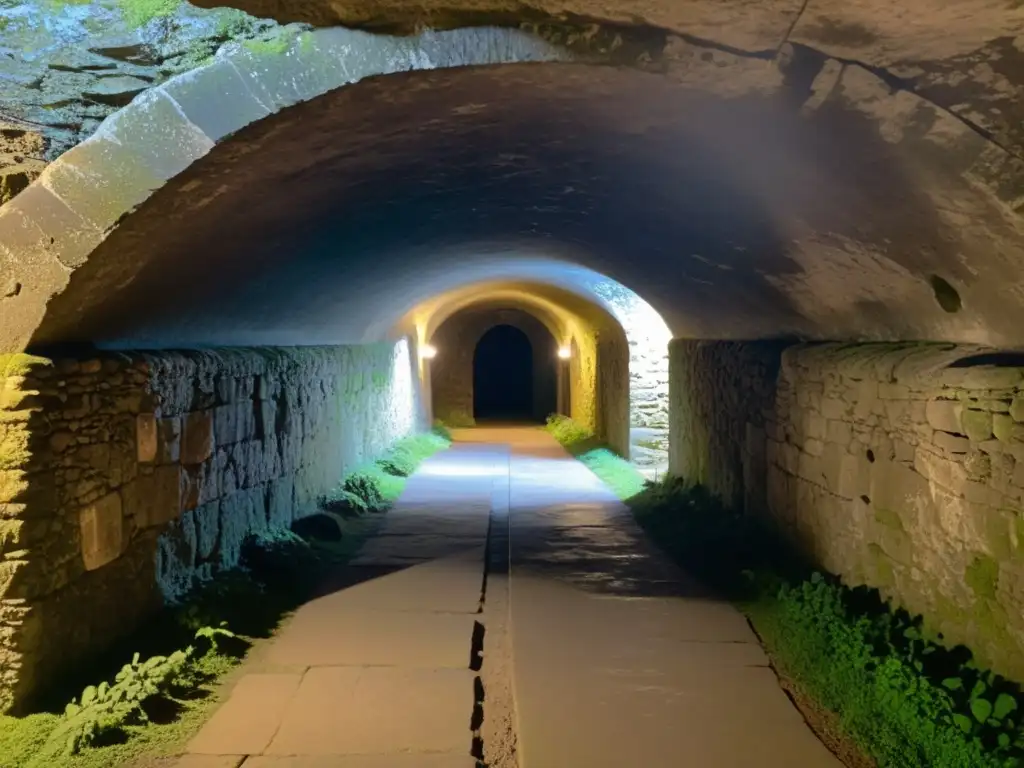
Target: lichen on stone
[{"x": 982, "y": 576}]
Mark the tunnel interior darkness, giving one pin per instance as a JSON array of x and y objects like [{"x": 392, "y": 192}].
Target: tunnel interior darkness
[{"x": 503, "y": 377}]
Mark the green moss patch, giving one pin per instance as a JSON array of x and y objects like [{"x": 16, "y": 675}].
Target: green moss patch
[
  {"x": 376, "y": 486},
  {"x": 616, "y": 472},
  {"x": 896, "y": 691},
  {"x": 982, "y": 576}
]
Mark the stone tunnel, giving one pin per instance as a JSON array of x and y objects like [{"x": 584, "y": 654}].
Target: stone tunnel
[{"x": 775, "y": 249}]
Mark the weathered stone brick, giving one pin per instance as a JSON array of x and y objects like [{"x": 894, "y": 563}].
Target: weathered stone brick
[
  {"x": 155, "y": 498},
  {"x": 977, "y": 425},
  {"x": 102, "y": 531},
  {"x": 146, "y": 437},
  {"x": 197, "y": 437},
  {"x": 944, "y": 415}
]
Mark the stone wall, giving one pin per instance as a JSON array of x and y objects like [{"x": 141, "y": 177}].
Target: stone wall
[
  {"x": 127, "y": 478},
  {"x": 722, "y": 396},
  {"x": 896, "y": 466}
]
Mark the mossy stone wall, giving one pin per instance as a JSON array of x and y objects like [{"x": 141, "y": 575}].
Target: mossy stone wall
[
  {"x": 127, "y": 478},
  {"x": 899, "y": 466}
]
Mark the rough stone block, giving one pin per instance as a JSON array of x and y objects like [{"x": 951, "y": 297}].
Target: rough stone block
[
  {"x": 234, "y": 423},
  {"x": 1002, "y": 426},
  {"x": 1017, "y": 408},
  {"x": 207, "y": 521},
  {"x": 169, "y": 440},
  {"x": 146, "y": 437},
  {"x": 280, "y": 503},
  {"x": 947, "y": 473},
  {"x": 944, "y": 415},
  {"x": 977, "y": 425},
  {"x": 200, "y": 484},
  {"x": 898, "y": 488},
  {"x": 951, "y": 443},
  {"x": 155, "y": 498},
  {"x": 197, "y": 438},
  {"x": 102, "y": 530}
]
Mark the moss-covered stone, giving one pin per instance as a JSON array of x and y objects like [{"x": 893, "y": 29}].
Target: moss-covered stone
[
  {"x": 888, "y": 518},
  {"x": 982, "y": 576},
  {"x": 977, "y": 424}
]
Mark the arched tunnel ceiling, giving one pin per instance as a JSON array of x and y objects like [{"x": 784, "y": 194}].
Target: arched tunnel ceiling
[
  {"x": 966, "y": 56},
  {"x": 703, "y": 188},
  {"x": 557, "y": 307}
]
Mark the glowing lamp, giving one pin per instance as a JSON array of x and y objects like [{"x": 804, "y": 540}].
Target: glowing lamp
[
  {"x": 564, "y": 353},
  {"x": 428, "y": 352}
]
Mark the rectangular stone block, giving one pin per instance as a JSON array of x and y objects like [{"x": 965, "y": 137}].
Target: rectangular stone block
[
  {"x": 200, "y": 484},
  {"x": 197, "y": 438},
  {"x": 102, "y": 530},
  {"x": 146, "y": 437},
  {"x": 234, "y": 423},
  {"x": 169, "y": 440},
  {"x": 944, "y": 415},
  {"x": 155, "y": 498}
]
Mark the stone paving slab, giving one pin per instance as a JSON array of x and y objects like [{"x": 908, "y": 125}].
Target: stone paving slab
[
  {"x": 248, "y": 720},
  {"x": 410, "y": 760},
  {"x": 386, "y": 551},
  {"x": 662, "y": 678},
  {"x": 209, "y": 761},
  {"x": 374, "y": 710},
  {"x": 328, "y": 633},
  {"x": 451, "y": 585}
]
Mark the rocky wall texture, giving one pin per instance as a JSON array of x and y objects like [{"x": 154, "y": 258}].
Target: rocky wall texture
[
  {"x": 899, "y": 466},
  {"x": 901, "y": 472},
  {"x": 127, "y": 478},
  {"x": 66, "y": 66},
  {"x": 722, "y": 396}
]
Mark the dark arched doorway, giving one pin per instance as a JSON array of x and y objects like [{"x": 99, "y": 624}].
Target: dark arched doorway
[{"x": 503, "y": 375}]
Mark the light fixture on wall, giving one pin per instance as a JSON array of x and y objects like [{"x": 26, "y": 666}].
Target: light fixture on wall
[
  {"x": 564, "y": 353},
  {"x": 428, "y": 352}
]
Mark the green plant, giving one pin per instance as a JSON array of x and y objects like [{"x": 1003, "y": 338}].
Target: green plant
[
  {"x": 616, "y": 472},
  {"x": 903, "y": 696},
  {"x": 138, "y": 13},
  {"x": 110, "y": 707},
  {"x": 441, "y": 430},
  {"x": 566, "y": 431}
]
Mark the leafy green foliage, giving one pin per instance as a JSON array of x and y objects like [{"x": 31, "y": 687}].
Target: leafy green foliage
[
  {"x": 108, "y": 707},
  {"x": 907, "y": 699},
  {"x": 616, "y": 472},
  {"x": 566, "y": 431},
  {"x": 374, "y": 487}
]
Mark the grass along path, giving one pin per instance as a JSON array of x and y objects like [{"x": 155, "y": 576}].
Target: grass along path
[
  {"x": 874, "y": 683},
  {"x": 277, "y": 573}
]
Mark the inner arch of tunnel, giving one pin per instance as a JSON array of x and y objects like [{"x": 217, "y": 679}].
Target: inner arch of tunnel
[{"x": 725, "y": 241}]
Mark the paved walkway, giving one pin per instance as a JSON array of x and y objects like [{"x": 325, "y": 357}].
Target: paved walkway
[{"x": 615, "y": 659}]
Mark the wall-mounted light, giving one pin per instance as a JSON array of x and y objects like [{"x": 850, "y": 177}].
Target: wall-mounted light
[
  {"x": 428, "y": 352},
  {"x": 564, "y": 353}
]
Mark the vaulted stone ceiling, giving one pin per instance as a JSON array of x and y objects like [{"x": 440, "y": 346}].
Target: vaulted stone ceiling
[{"x": 753, "y": 170}]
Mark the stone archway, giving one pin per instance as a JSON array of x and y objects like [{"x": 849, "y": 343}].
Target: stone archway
[{"x": 508, "y": 377}]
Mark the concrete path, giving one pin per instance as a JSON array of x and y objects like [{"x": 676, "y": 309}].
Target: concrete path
[{"x": 508, "y": 569}]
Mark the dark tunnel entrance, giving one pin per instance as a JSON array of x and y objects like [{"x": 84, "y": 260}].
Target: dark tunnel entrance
[{"x": 503, "y": 376}]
